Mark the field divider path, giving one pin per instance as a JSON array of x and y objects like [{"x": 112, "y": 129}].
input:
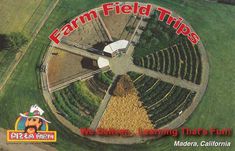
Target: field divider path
[
  {"x": 77, "y": 51},
  {"x": 13, "y": 66},
  {"x": 165, "y": 78},
  {"x": 75, "y": 78},
  {"x": 102, "y": 106},
  {"x": 135, "y": 37},
  {"x": 105, "y": 28}
]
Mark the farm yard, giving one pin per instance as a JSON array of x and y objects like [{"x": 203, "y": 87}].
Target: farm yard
[
  {"x": 89, "y": 35},
  {"x": 64, "y": 66},
  {"x": 120, "y": 29},
  {"x": 23, "y": 89}
]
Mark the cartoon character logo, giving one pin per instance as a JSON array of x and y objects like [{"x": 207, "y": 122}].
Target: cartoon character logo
[
  {"x": 33, "y": 120},
  {"x": 32, "y": 126}
]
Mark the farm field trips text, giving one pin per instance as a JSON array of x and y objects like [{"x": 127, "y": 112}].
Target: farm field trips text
[{"x": 136, "y": 9}]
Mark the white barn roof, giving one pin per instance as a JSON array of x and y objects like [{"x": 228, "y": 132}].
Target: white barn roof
[
  {"x": 117, "y": 45},
  {"x": 102, "y": 62}
]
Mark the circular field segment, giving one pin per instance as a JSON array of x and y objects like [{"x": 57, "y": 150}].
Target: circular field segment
[{"x": 171, "y": 81}]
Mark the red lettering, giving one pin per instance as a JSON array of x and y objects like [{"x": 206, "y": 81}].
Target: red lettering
[
  {"x": 145, "y": 10},
  {"x": 74, "y": 23},
  {"x": 87, "y": 131},
  {"x": 193, "y": 37},
  {"x": 170, "y": 20},
  {"x": 177, "y": 23},
  {"x": 117, "y": 8},
  {"x": 126, "y": 9},
  {"x": 107, "y": 8},
  {"x": 54, "y": 36},
  {"x": 183, "y": 29},
  {"x": 136, "y": 4},
  {"x": 67, "y": 29},
  {"x": 89, "y": 16},
  {"x": 163, "y": 13}
]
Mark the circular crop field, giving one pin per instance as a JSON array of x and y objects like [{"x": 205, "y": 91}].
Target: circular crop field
[{"x": 155, "y": 81}]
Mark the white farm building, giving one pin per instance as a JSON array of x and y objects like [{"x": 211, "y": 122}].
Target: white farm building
[
  {"x": 114, "y": 48},
  {"x": 102, "y": 62}
]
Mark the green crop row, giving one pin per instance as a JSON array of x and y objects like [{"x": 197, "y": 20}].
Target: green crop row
[{"x": 77, "y": 104}]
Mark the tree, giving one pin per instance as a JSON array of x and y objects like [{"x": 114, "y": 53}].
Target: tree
[
  {"x": 17, "y": 40},
  {"x": 166, "y": 36},
  {"x": 14, "y": 41},
  {"x": 4, "y": 42},
  {"x": 143, "y": 42},
  {"x": 154, "y": 41},
  {"x": 148, "y": 33},
  {"x": 152, "y": 26}
]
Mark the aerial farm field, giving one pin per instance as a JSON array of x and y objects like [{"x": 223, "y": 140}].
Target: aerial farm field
[
  {"x": 100, "y": 83},
  {"x": 88, "y": 35},
  {"x": 77, "y": 103},
  {"x": 124, "y": 110},
  {"x": 213, "y": 23},
  {"x": 64, "y": 65},
  {"x": 119, "y": 29}
]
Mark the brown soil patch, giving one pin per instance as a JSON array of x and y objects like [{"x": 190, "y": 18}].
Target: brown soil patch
[
  {"x": 88, "y": 34},
  {"x": 116, "y": 24},
  {"x": 126, "y": 112},
  {"x": 64, "y": 66},
  {"x": 123, "y": 86}
]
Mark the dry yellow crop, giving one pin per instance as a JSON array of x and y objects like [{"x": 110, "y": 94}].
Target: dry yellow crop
[{"x": 125, "y": 112}]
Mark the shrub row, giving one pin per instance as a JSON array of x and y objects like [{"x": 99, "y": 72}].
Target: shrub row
[{"x": 182, "y": 60}]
